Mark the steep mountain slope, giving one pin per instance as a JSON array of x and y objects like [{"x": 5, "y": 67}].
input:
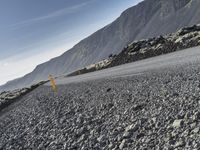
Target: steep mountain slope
[{"x": 147, "y": 19}]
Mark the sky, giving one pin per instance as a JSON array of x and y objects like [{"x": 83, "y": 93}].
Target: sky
[{"x": 34, "y": 31}]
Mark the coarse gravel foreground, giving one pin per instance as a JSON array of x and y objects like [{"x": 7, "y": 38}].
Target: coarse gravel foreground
[{"x": 159, "y": 109}]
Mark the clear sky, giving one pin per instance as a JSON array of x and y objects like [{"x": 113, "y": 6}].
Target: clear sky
[{"x": 34, "y": 31}]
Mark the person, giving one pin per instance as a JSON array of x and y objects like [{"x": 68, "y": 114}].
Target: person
[{"x": 53, "y": 83}]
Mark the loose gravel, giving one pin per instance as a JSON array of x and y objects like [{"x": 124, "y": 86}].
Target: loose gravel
[{"x": 159, "y": 109}]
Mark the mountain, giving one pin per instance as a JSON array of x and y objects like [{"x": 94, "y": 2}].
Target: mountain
[
  {"x": 147, "y": 19},
  {"x": 184, "y": 38}
]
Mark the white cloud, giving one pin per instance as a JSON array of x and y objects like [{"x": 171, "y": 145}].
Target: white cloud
[{"x": 65, "y": 11}]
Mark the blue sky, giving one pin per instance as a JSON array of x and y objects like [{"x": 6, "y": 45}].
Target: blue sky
[{"x": 34, "y": 31}]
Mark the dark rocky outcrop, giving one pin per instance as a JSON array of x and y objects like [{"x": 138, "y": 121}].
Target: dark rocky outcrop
[
  {"x": 184, "y": 38},
  {"x": 9, "y": 97}
]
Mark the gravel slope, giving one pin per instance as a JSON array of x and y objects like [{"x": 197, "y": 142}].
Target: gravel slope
[
  {"x": 171, "y": 60},
  {"x": 156, "y": 110}
]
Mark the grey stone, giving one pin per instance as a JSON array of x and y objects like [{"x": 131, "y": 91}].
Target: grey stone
[
  {"x": 123, "y": 144},
  {"x": 178, "y": 123},
  {"x": 196, "y": 130}
]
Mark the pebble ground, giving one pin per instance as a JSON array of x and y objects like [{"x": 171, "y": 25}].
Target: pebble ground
[{"x": 159, "y": 109}]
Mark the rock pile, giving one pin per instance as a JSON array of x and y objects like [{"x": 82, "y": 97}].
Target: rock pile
[
  {"x": 184, "y": 38},
  {"x": 93, "y": 67},
  {"x": 8, "y": 97}
]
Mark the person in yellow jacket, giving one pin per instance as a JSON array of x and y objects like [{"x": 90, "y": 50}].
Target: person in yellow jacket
[{"x": 53, "y": 83}]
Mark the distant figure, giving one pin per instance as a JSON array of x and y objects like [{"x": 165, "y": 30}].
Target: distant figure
[{"x": 52, "y": 82}]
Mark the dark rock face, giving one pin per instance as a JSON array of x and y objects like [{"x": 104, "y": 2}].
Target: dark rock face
[
  {"x": 149, "y": 18},
  {"x": 184, "y": 38},
  {"x": 98, "y": 115}
]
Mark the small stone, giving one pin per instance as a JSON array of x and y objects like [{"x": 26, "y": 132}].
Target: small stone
[
  {"x": 181, "y": 115},
  {"x": 140, "y": 135},
  {"x": 158, "y": 124},
  {"x": 187, "y": 115},
  {"x": 110, "y": 146},
  {"x": 81, "y": 138},
  {"x": 174, "y": 133},
  {"x": 199, "y": 102},
  {"x": 193, "y": 125},
  {"x": 132, "y": 128},
  {"x": 115, "y": 148},
  {"x": 92, "y": 132},
  {"x": 108, "y": 90},
  {"x": 126, "y": 135},
  {"x": 80, "y": 119},
  {"x": 178, "y": 123},
  {"x": 196, "y": 145},
  {"x": 110, "y": 105},
  {"x": 197, "y": 116},
  {"x": 138, "y": 107},
  {"x": 186, "y": 133},
  {"x": 153, "y": 119},
  {"x": 101, "y": 138},
  {"x": 196, "y": 130},
  {"x": 180, "y": 143},
  {"x": 171, "y": 142},
  {"x": 65, "y": 146},
  {"x": 117, "y": 117},
  {"x": 129, "y": 128},
  {"x": 175, "y": 94},
  {"x": 122, "y": 145}
]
